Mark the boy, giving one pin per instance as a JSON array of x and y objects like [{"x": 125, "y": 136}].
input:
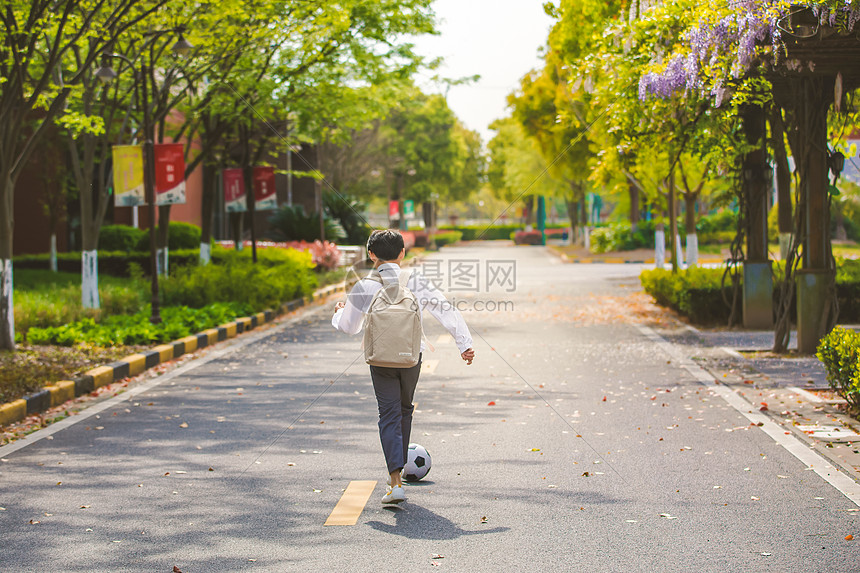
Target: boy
[{"x": 395, "y": 387}]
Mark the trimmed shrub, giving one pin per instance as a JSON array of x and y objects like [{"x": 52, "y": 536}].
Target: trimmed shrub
[
  {"x": 447, "y": 238},
  {"x": 121, "y": 238},
  {"x": 259, "y": 286},
  {"x": 484, "y": 233},
  {"x": 181, "y": 236},
  {"x": 527, "y": 237},
  {"x": 839, "y": 351},
  {"x": 695, "y": 293},
  {"x": 116, "y": 264}
]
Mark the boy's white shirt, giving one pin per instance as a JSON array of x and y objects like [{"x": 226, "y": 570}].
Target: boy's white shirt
[{"x": 350, "y": 318}]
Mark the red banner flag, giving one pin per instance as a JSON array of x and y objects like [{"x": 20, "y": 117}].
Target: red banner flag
[
  {"x": 265, "y": 194},
  {"x": 234, "y": 190},
  {"x": 394, "y": 209},
  {"x": 169, "y": 173}
]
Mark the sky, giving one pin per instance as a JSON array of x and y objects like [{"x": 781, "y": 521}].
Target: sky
[{"x": 496, "y": 39}]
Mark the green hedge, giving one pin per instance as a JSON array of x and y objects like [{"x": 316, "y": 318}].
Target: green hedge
[
  {"x": 122, "y": 238},
  {"x": 283, "y": 275},
  {"x": 447, "y": 238},
  {"x": 110, "y": 263},
  {"x": 839, "y": 351},
  {"x": 696, "y": 293},
  {"x": 119, "y": 330}
]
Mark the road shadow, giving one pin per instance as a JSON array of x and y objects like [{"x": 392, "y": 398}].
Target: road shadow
[{"x": 416, "y": 522}]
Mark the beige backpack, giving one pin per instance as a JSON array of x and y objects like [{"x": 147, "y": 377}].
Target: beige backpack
[{"x": 392, "y": 326}]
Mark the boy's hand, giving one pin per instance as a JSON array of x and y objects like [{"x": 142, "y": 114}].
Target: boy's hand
[
  {"x": 468, "y": 356},
  {"x": 339, "y": 306}
]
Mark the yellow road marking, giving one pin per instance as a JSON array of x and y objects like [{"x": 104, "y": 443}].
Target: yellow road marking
[
  {"x": 351, "y": 503},
  {"x": 429, "y": 366}
]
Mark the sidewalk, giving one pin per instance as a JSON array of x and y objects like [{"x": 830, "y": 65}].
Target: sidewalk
[
  {"x": 578, "y": 254},
  {"x": 790, "y": 389}
]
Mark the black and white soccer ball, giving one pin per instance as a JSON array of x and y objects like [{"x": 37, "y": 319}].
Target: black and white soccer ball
[{"x": 417, "y": 464}]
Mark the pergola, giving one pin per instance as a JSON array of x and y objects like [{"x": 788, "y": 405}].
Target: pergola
[{"x": 819, "y": 65}]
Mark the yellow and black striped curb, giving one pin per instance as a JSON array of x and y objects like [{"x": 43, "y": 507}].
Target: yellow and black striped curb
[{"x": 132, "y": 365}]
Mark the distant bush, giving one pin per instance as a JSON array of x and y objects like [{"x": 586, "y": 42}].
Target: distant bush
[
  {"x": 839, "y": 351},
  {"x": 722, "y": 220},
  {"x": 120, "y": 238},
  {"x": 447, "y": 238},
  {"x": 621, "y": 237},
  {"x": 527, "y": 237}
]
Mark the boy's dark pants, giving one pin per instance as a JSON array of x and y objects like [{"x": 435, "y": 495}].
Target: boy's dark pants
[{"x": 394, "y": 389}]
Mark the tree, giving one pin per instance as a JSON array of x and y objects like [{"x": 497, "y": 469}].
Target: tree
[{"x": 35, "y": 39}]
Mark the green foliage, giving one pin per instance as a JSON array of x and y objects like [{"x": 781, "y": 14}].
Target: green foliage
[
  {"x": 694, "y": 292},
  {"x": 447, "y": 238},
  {"x": 259, "y": 287},
  {"x": 119, "y": 330},
  {"x": 121, "y": 238},
  {"x": 621, "y": 237},
  {"x": 483, "y": 232},
  {"x": 56, "y": 300},
  {"x": 839, "y": 351},
  {"x": 349, "y": 213},
  {"x": 722, "y": 220},
  {"x": 181, "y": 236},
  {"x": 291, "y": 223}
]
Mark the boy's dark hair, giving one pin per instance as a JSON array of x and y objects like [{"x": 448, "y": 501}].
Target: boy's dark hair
[{"x": 385, "y": 244}]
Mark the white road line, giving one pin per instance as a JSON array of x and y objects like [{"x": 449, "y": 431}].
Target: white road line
[
  {"x": 232, "y": 346},
  {"x": 817, "y": 463}
]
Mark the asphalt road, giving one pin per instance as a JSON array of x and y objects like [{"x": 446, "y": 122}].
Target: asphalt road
[{"x": 573, "y": 443}]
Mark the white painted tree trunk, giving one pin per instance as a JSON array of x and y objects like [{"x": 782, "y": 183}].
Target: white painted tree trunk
[
  {"x": 90, "y": 279},
  {"x": 7, "y": 309},
  {"x": 692, "y": 249},
  {"x": 784, "y": 245},
  {"x": 679, "y": 251},
  {"x": 586, "y": 238},
  {"x": 54, "y": 252},
  {"x": 659, "y": 248},
  {"x": 161, "y": 256},
  {"x": 205, "y": 254}
]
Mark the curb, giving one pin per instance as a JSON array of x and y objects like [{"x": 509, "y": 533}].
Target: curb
[{"x": 132, "y": 365}]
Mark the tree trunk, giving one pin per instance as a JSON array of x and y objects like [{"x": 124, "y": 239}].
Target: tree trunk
[
  {"x": 633, "y": 192},
  {"x": 210, "y": 187},
  {"x": 660, "y": 246},
  {"x": 783, "y": 181},
  {"x": 163, "y": 238},
  {"x": 673, "y": 221},
  {"x": 692, "y": 257},
  {"x": 53, "y": 263},
  {"x": 7, "y": 310}
]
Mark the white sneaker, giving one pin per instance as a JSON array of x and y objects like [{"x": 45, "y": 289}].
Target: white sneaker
[{"x": 394, "y": 495}]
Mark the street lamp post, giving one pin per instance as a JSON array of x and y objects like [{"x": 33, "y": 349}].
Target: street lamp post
[{"x": 181, "y": 48}]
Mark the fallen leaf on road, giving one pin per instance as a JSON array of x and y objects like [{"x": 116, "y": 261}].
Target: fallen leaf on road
[
  {"x": 176, "y": 569},
  {"x": 484, "y": 519},
  {"x": 849, "y": 537},
  {"x": 535, "y": 450},
  {"x": 491, "y": 403},
  {"x": 211, "y": 469},
  {"x": 763, "y": 407},
  {"x": 585, "y": 474},
  {"x": 183, "y": 425},
  {"x": 437, "y": 556},
  {"x": 85, "y": 507},
  {"x": 667, "y": 516},
  {"x": 766, "y": 554}
]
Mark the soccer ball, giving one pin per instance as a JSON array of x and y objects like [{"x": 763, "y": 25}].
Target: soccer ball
[{"x": 417, "y": 464}]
